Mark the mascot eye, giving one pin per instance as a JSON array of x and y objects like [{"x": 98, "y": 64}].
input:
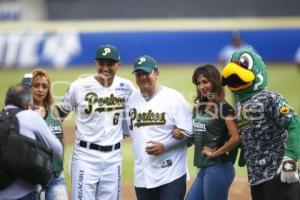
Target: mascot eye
[{"x": 246, "y": 61}]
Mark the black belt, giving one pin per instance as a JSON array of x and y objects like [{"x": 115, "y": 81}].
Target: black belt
[{"x": 99, "y": 147}]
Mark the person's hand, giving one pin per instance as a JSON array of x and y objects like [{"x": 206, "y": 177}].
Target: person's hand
[
  {"x": 177, "y": 133},
  {"x": 209, "y": 152},
  {"x": 155, "y": 148},
  {"x": 288, "y": 170}
]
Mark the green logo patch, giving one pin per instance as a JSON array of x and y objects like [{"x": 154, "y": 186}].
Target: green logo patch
[
  {"x": 103, "y": 104},
  {"x": 146, "y": 118}
]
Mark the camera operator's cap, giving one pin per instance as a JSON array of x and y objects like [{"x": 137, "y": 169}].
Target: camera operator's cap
[
  {"x": 107, "y": 52},
  {"x": 145, "y": 63},
  {"x": 27, "y": 79}
]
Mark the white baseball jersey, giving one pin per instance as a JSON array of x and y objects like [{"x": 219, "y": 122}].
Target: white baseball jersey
[
  {"x": 297, "y": 55},
  {"x": 154, "y": 120},
  {"x": 227, "y": 51},
  {"x": 98, "y": 109}
]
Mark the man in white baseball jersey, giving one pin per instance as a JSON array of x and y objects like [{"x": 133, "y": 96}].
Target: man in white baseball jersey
[
  {"x": 227, "y": 51},
  {"x": 98, "y": 102},
  {"x": 152, "y": 113},
  {"x": 297, "y": 58}
]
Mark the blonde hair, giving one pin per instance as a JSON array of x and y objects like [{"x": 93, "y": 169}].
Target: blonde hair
[{"x": 48, "y": 101}]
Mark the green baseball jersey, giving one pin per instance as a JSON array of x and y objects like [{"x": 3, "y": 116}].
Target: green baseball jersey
[
  {"x": 212, "y": 132},
  {"x": 56, "y": 128}
]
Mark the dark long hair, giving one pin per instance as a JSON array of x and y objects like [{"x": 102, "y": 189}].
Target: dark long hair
[{"x": 213, "y": 75}]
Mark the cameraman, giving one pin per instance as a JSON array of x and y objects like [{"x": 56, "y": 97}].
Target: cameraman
[{"x": 32, "y": 126}]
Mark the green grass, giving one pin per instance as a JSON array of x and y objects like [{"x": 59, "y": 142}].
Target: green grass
[{"x": 283, "y": 78}]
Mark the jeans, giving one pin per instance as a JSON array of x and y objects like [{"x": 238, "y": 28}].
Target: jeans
[
  {"x": 56, "y": 189},
  {"x": 212, "y": 183},
  {"x": 170, "y": 191},
  {"x": 31, "y": 196}
]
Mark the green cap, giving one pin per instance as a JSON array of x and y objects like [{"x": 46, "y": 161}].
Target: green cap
[
  {"x": 145, "y": 63},
  {"x": 107, "y": 52}
]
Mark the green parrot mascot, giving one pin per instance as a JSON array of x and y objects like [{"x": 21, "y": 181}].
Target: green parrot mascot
[{"x": 269, "y": 129}]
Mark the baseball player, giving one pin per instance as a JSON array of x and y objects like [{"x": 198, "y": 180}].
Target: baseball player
[
  {"x": 152, "y": 113},
  {"x": 98, "y": 102}
]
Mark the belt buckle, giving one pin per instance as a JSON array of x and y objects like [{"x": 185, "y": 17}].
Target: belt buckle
[
  {"x": 93, "y": 146},
  {"x": 117, "y": 146},
  {"x": 88, "y": 145},
  {"x": 108, "y": 148}
]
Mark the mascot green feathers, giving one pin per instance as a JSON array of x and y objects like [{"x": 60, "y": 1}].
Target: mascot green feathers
[
  {"x": 246, "y": 74},
  {"x": 269, "y": 128}
]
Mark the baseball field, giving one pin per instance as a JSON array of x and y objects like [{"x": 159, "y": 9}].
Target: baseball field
[{"x": 283, "y": 78}]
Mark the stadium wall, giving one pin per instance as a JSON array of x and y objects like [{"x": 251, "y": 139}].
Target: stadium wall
[
  {"x": 133, "y": 9},
  {"x": 73, "y": 44}
]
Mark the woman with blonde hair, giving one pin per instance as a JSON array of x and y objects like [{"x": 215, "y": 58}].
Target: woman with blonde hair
[{"x": 44, "y": 103}]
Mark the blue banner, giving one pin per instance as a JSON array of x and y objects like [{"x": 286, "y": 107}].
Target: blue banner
[{"x": 63, "y": 49}]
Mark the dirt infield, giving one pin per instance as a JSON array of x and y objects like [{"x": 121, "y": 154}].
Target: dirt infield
[{"x": 238, "y": 190}]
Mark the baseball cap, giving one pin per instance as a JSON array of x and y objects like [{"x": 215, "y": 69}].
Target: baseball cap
[
  {"x": 107, "y": 52},
  {"x": 145, "y": 63},
  {"x": 27, "y": 79}
]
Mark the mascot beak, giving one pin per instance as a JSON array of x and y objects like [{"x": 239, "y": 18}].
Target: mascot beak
[{"x": 237, "y": 77}]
